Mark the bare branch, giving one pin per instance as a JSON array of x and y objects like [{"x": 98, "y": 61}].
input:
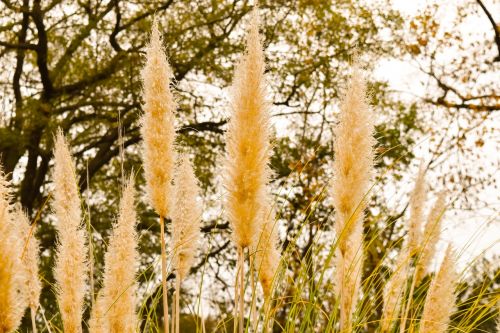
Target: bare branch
[{"x": 495, "y": 28}]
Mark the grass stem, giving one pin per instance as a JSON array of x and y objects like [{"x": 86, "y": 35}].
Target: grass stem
[{"x": 164, "y": 276}]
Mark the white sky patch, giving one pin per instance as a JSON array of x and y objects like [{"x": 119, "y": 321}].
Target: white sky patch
[{"x": 470, "y": 232}]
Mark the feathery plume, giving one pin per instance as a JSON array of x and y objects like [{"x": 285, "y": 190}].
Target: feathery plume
[
  {"x": 431, "y": 237},
  {"x": 158, "y": 134},
  {"x": 30, "y": 260},
  {"x": 13, "y": 298},
  {"x": 394, "y": 290},
  {"x": 440, "y": 300},
  {"x": 267, "y": 253},
  {"x": 186, "y": 216},
  {"x": 119, "y": 286},
  {"x": 247, "y": 141},
  {"x": 186, "y": 225},
  {"x": 417, "y": 203},
  {"x": 158, "y": 130},
  {"x": 248, "y": 149},
  {"x": 353, "y": 169},
  {"x": 71, "y": 264}
]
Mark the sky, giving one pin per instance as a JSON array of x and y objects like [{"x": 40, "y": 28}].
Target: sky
[{"x": 470, "y": 232}]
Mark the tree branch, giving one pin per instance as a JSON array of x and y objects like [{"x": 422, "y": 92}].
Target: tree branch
[
  {"x": 495, "y": 28},
  {"x": 42, "y": 53},
  {"x": 79, "y": 38}
]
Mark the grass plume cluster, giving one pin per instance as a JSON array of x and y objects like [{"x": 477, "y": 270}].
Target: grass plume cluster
[{"x": 325, "y": 296}]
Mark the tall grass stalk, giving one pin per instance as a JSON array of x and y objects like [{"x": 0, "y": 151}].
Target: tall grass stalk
[
  {"x": 394, "y": 290},
  {"x": 267, "y": 261},
  {"x": 186, "y": 223},
  {"x": 248, "y": 150},
  {"x": 353, "y": 169},
  {"x": 417, "y": 205},
  {"x": 71, "y": 268},
  {"x": 13, "y": 295},
  {"x": 30, "y": 260},
  {"x": 118, "y": 294},
  {"x": 431, "y": 236},
  {"x": 158, "y": 134},
  {"x": 440, "y": 300}
]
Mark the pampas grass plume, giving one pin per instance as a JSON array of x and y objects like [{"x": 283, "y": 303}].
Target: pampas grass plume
[
  {"x": 71, "y": 264},
  {"x": 118, "y": 294},
  {"x": 440, "y": 300},
  {"x": 417, "y": 204},
  {"x": 158, "y": 131},
  {"x": 353, "y": 169},
  {"x": 393, "y": 291},
  {"x": 30, "y": 260},
  {"x": 158, "y": 134},
  {"x": 431, "y": 237},
  {"x": 13, "y": 295},
  {"x": 247, "y": 142},
  {"x": 267, "y": 253},
  {"x": 186, "y": 218}
]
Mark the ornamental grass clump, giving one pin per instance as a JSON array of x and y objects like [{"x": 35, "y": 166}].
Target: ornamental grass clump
[
  {"x": 298, "y": 295},
  {"x": 248, "y": 150},
  {"x": 116, "y": 302},
  {"x": 158, "y": 135},
  {"x": 353, "y": 170},
  {"x": 71, "y": 269},
  {"x": 186, "y": 224},
  {"x": 14, "y": 296}
]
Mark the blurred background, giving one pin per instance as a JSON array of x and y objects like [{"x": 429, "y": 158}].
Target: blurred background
[{"x": 434, "y": 76}]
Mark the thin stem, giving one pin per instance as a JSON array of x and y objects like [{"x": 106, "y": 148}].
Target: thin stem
[
  {"x": 343, "y": 321},
  {"x": 236, "y": 294},
  {"x": 174, "y": 310},
  {"x": 177, "y": 303},
  {"x": 33, "y": 319},
  {"x": 164, "y": 276},
  {"x": 253, "y": 306},
  {"x": 407, "y": 309},
  {"x": 242, "y": 287},
  {"x": 268, "y": 323},
  {"x": 202, "y": 324},
  {"x": 47, "y": 325}
]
